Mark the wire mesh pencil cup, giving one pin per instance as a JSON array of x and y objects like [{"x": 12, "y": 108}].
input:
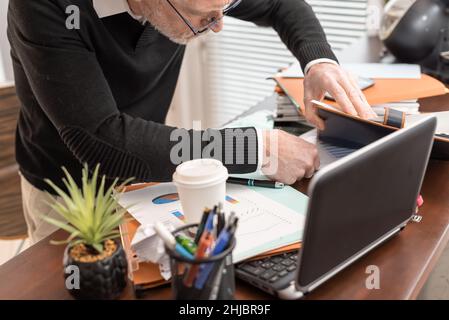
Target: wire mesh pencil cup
[{"x": 219, "y": 283}]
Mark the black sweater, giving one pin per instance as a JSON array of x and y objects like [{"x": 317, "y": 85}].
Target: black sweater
[{"x": 100, "y": 94}]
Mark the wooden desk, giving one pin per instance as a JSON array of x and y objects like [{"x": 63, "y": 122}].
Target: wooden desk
[
  {"x": 404, "y": 262},
  {"x": 12, "y": 222}
]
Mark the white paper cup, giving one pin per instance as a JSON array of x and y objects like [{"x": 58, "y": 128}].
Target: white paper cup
[{"x": 201, "y": 184}]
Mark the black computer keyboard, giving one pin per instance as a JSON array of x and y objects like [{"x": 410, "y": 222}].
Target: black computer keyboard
[{"x": 273, "y": 268}]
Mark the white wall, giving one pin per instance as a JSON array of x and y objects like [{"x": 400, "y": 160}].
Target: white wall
[{"x": 5, "y": 60}]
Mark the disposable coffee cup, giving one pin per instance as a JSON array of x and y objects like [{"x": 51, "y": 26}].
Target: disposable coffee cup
[{"x": 201, "y": 184}]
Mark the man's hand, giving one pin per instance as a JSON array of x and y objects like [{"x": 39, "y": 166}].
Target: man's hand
[
  {"x": 343, "y": 87},
  {"x": 288, "y": 158}
]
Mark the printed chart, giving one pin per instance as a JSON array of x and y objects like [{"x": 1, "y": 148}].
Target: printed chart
[{"x": 264, "y": 224}]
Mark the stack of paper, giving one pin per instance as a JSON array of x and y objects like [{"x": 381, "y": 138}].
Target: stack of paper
[
  {"x": 442, "y": 128},
  {"x": 407, "y": 106},
  {"x": 286, "y": 111},
  {"x": 269, "y": 218}
]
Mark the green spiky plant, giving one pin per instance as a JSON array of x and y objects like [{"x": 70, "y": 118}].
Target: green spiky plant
[{"x": 91, "y": 216}]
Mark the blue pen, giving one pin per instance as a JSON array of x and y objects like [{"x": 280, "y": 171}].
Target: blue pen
[
  {"x": 222, "y": 243},
  {"x": 183, "y": 252},
  {"x": 202, "y": 250},
  {"x": 170, "y": 241},
  {"x": 210, "y": 221}
]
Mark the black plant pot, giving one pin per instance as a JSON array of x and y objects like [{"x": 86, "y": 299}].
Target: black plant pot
[{"x": 101, "y": 280}]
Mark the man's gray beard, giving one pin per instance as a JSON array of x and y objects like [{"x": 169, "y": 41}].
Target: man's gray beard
[
  {"x": 181, "y": 39},
  {"x": 164, "y": 28},
  {"x": 184, "y": 41}
]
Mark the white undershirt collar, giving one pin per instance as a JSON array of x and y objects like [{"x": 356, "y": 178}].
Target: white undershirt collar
[{"x": 106, "y": 8}]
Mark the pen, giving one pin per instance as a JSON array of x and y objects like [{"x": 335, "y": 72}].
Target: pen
[
  {"x": 187, "y": 243},
  {"x": 170, "y": 241},
  {"x": 221, "y": 244},
  {"x": 201, "y": 225},
  {"x": 203, "y": 246},
  {"x": 220, "y": 219},
  {"x": 216, "y": 282},
  {"x": 256, "y": 183},
  {"x": 230, "y": 219},
  {"x": 233, "y": 227}
]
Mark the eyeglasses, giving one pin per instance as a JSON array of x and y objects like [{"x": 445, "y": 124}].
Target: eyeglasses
[{"x": 214, "y": 21}]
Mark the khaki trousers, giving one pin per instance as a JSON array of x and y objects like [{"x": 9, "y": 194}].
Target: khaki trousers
[{"x": 35, "y": 206}]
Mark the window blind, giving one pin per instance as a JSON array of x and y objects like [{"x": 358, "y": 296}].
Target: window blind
[{"x": 241, "y": 57}]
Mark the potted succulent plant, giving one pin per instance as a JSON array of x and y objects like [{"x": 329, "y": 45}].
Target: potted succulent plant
[{"x": 92, "y": 217}]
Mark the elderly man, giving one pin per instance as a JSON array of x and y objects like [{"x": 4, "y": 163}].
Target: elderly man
[{"x": 100, "y": 93}]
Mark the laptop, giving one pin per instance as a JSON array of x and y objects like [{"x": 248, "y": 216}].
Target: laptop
[{"x": 356, "y": 203}]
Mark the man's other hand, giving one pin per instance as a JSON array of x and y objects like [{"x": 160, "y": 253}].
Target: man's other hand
[
  {"x": 288, "y": 158},
  {"x": 343, "y": 87}
]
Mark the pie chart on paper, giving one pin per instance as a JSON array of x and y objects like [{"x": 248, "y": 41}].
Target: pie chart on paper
[{"x": 166, "y": 198}]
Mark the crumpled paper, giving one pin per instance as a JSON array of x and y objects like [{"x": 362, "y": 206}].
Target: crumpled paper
[{"x": 149, "y": 247}]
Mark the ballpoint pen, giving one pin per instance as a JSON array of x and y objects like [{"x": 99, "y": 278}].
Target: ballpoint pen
[
  {"x": 201, "y": 225},
  {"x": 256, "y": 183},
  {"x": 187, "y": 243},
  {"x": 216, "y": 282},
  {"x": 220, "y": 219},
  {"x": 203, "y": 246},
  {"x": 222, "y": 243},
  {"x": 230, "y": 219}
]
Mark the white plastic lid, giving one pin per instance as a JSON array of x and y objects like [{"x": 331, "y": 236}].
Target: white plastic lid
[{"x": 200, "y": 172}]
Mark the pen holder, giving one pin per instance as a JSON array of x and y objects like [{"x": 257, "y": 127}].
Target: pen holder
[{"x": 210, "y": 278}]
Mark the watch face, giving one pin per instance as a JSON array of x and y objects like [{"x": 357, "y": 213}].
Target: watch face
[{"x": 393, "y": 13}]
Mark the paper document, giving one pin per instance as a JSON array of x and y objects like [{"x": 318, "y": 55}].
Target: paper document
[
  {"x": 407, "y": 106},
  {"x": 159, "y": 202},
  {"x": 265, "y": 222},
  {"x": 367, "y": 70},
  {"x": 442, "y": 120}
]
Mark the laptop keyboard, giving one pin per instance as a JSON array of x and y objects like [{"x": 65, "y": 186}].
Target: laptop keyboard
[{"x": 273, "y": 268}]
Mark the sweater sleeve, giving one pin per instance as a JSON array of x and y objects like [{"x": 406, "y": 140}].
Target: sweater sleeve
[
  {"x": 294, "y": 21},
  {"x": 69, "y": 85}
]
